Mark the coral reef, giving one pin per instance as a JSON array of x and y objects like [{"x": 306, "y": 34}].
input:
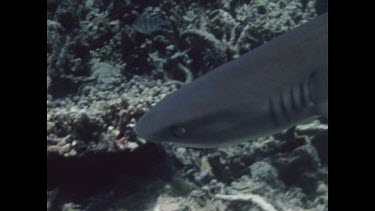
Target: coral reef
[
  {"x": 103, "y": 74},
  {"x": 102, "y": 118},
  {"x": 196, "y": 35}
]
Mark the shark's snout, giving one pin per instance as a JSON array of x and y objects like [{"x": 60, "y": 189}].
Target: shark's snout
[{"x": 143, "y": 128}]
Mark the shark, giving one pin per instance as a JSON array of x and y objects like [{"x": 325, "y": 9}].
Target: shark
[{"x": 273, "y": 87}]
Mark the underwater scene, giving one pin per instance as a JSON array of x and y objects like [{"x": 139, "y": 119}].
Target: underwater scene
[{"x": 187, "y": 105}]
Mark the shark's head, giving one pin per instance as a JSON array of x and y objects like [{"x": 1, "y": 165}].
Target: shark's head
[
  {"x": 211, "y": 130},
  {"x": 157, "y": 126},
  {"x": 176, "y": 120},
  {"x": 196, "y": 117}
]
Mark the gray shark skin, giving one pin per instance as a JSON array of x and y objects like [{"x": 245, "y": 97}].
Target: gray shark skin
[{"x": 268, "y": 89}]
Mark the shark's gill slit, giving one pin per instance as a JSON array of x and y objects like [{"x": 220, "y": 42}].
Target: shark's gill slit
[
  {"x": 286, "y": 105},
  {"x": 293, "y": 103},
  {"x": 273, "y": 112},
  {"x": 307, "y": 92},
  {"x": 302, "y": 97},
  {"x": 278, "y": 110},
  {"x": 309, "y": 87},
  {"x": 306, "y": 95},
  {"x": 297, "y": 98}
]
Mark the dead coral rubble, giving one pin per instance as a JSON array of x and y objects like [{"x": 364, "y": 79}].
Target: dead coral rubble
[
  {"x": 101, "y": 119},
  {"x": 285, "y": 171},
  {"x": 198, "y": 36}
]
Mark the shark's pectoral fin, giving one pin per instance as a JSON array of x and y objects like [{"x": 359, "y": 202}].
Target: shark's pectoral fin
[{"x": 321, "y": 109}]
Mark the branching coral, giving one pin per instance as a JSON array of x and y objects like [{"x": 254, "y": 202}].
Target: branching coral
[
  {"x": 222, "y": 34},
  {"x": 186, "y": 71}
]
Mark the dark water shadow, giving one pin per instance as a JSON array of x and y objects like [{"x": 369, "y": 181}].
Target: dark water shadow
[{"x": 97, "y": 178}]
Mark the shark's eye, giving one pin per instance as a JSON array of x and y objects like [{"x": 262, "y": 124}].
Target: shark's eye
[{"x": 178, "y": 131}]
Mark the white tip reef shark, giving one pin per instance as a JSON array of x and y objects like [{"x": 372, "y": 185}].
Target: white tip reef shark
[{"x": 273, "y": 87}]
